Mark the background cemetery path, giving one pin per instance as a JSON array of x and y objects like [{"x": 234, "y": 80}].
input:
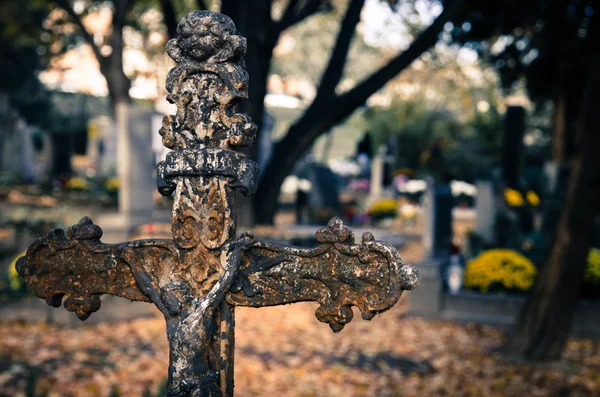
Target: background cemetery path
[{"x": 285, "y": 351}]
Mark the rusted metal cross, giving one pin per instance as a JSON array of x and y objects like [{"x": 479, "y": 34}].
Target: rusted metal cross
[{"x": 197, "y": 278}]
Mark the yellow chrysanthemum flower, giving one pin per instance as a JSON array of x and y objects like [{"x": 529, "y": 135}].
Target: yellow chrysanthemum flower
[
  {"x": 533, "y": 198},
  {"x": 15, "y": 281},
  {"x": 500, "y": 267},
  {"x": 592, "y": 271},
  {"x": 77, "y": 183},
  {"x": 513, "y": 197},
  {"x": 383, "y": 208},
  {"x": 112, "y": 184}
]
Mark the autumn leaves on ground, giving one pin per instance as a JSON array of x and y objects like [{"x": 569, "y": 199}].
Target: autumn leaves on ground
[{"x": 285, "y": 351}]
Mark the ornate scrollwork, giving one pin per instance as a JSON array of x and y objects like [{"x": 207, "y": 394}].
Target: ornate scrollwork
[
  {"x": 79, "y": 266},
  {"x": 338, "y": 274},
  {"x": 207, "y": 83}
]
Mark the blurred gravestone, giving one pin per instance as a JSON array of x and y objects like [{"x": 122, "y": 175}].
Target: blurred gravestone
[
  {"x": 102, "y": 146},
  {"x": 265, "y": 140},
  {"x": 27, "y": 155},
  {"x": 324, "y": 195},
  {"x": 437, "y": 237},
  {"x": 486, "y": 211},
  {"x": 136, "y": 174},
  {"x": 139, "y": 179},
  {"x": 437, "y": 216},
  {"x": 389, "y": 163},
  {"x": 377, "y": 168},
  {"x": 513, "y": 222},
  {"x": 514, "y": 128}
]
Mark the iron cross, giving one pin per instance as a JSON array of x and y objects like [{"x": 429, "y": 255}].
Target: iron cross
[{"x": 197, "y": 278}]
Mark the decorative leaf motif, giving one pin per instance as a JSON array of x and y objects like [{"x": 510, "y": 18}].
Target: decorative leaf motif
[
  {"x": 338, "y": 274},
  {"x": 79, "y": 266}
]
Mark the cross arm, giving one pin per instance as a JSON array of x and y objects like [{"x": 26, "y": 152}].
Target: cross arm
[
  {"x": 338, "y": 274},
  {"x": 78, "y": 265}
]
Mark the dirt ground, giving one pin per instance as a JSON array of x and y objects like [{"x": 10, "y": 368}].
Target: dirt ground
[{"x": 285, "y": 351}]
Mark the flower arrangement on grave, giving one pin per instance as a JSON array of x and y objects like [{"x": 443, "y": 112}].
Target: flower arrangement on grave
[
  {"x": 592, "y": 270},
  {"x": 412, "y": 189},
  {"x": 77, "y": 183},
  {"x": 360, "y": 185},
  {"x": 513, "y": 198},
  {"x": 111, "y": 184},
  {"x": 532, "y": 198},
  {"x": 384, "y": 208},
  {"x": 14, "y": 281},
  {"x": 500, "y": 268}
]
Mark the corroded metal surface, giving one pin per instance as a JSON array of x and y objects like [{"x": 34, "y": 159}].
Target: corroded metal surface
[
  {"x": 197, "y": 278},
  {"x": 338, "y": 274}
]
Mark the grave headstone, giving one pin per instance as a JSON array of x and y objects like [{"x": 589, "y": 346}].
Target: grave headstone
[
  {"x": 437, "y": 237},
  {"x": 135, "y": 162},
  {"x": 265, "y": 140},
  {"x": 102, "y": 146},
  {"x": 135, "y": 170},
  {"x": 485, "y": 207},
  {"x": 514, "y": 128},
  {"x": 377, "y": 169},
  {"x": 324, "y": 193},
  {"x": 437, "y": 217}
]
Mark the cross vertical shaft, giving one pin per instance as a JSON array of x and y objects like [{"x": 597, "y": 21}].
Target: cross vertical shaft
[{"x": 202, "y": 172}]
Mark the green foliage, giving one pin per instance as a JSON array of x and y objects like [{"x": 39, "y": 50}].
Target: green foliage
[
  {"x": 21, "y": 58},
  {"x": 438, "y": 142},
  {"x": 541, "y": 41},
  {"x": 592, "y": 270},
  {"x": 305, "y": 49}
]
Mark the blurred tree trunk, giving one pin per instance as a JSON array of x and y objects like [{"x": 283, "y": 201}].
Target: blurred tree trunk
[
  {"x": 111, "y": 66},
  {"x": 118, "y": 83},
  {"x": 544, "y": 324},
  {"x": 253, "y": 20},
  {"x": 6, "y": 124}
]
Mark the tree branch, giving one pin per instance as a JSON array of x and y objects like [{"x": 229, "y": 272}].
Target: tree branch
[
  {"x": 87, "y": 37},
  {"x": 169, "y": 17},
  {"x": 288, "y": 15},
  {"x": 121, "y": 8},
  {"x": 427, "y": 39},
  {"x": 292, "y": 15},
  {"x": 335, "y": 67},
  {"x": 323, "y": 115},
  {"x": 118, "y": 23}
]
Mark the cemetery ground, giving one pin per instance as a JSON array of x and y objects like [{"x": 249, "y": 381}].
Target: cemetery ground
[{"x": 285, "y": 351}]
